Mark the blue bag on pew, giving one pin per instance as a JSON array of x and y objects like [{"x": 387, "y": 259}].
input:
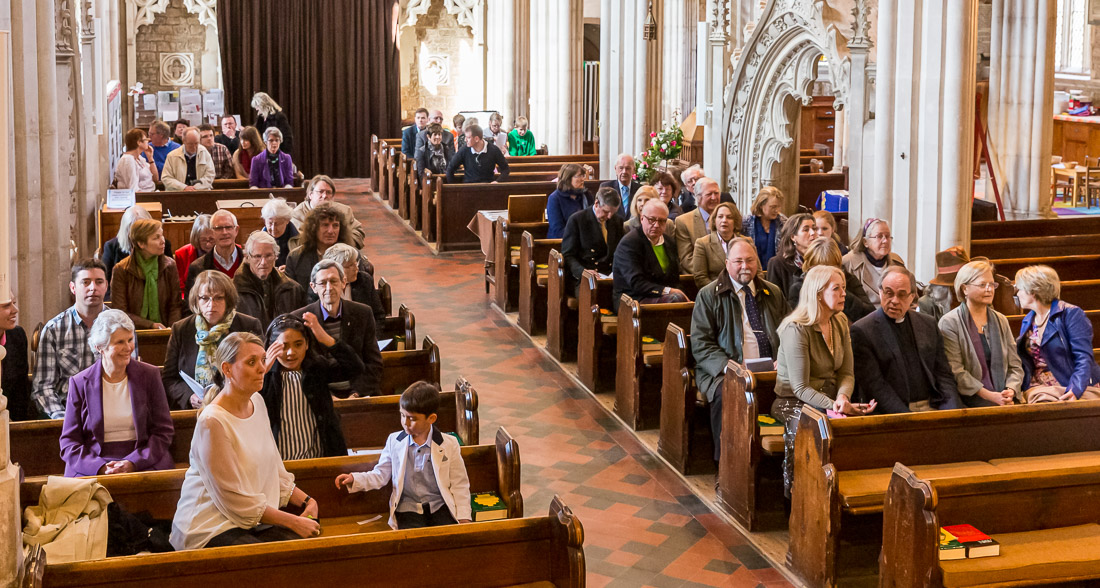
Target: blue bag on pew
[{"x": 833, "y": 201}]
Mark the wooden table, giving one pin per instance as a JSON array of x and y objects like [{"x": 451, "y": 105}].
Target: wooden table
[{"x": 1075, "y": 177}]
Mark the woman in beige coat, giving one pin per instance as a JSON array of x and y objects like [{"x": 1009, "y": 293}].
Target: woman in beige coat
[
  {"x": 709, "y": 258},
  {"x": 870, "y": 255}
]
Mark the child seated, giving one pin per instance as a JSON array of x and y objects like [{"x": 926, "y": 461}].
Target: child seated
[{"x": 430, "y": 486}]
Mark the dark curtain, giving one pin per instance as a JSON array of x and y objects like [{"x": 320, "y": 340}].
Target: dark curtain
[{"x": 332, "y": 66}]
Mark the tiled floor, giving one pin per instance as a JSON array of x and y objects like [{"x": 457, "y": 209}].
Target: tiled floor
[{"x": 643, "y": 527}]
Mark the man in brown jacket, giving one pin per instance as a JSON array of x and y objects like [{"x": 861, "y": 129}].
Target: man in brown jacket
[{"x": 265, "y": 292}]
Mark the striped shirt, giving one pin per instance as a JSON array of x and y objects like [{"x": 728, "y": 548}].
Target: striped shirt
[
  {"x": 298, "y": 435},
  {"x": 63, "y": 352}
]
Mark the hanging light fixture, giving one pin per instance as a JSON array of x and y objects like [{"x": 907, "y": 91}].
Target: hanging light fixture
[{"x": 649, "y": 30}]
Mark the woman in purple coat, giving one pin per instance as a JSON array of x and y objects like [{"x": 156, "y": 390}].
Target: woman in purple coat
[
  {"x": 116, "y": 417},
  {"x": 272, "y": 168}
]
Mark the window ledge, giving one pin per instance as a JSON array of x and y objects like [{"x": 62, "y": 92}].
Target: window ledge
[{"x": 1072, "y": 76}]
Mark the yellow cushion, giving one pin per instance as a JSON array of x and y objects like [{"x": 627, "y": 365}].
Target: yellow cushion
[
  {"x": 1046, "y": 462},
  {"x": 772, "y": 444},
  {"x": 867, "y": 488},
  {"x": 1046, "y": 556}
]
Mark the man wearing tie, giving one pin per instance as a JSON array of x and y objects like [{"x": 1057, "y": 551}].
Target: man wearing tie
[
  {"x": 591, "y": 236},
  {"x": 624, "y": 184}
]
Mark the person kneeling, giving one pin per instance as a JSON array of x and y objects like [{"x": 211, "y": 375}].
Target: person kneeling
[{"x": 430, "y": 486}]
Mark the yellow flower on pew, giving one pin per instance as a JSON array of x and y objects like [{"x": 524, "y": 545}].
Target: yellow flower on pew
[{"x": 487, "y": 500}]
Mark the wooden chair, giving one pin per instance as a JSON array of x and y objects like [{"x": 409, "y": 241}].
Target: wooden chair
[
  {"x": 1091, "y": 188},
  {"x": 1060, "y": 182}
]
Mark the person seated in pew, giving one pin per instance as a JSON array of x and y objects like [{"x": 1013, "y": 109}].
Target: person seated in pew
[
  {"x": 645, "y": 194},
  {"x": 322, "y": 190},
  {"x": 479, "y": 160},
  {"x": 939, "y": 296},
  {"x": 228, "y": 136},
  {"x": 14, "y": 381},
  {"x": 900, "y": 359},
  {"x": 223, "y": 159},
  {"x": 646, "y": 266},
  {"x": 202, "y": 242},
  {"x": 765, "y": 225},
  {"x": 347, "y": 321},
  {"x": 136, "y": 169},
  {"x": 160, "y": 137},
  {"x": 277, "y": 214},
  {"x": 980, "y": 347},
  {"x": 695, "y": 224},
  {"x": 711, "y": 250},
  {"x": 436, "y": 154},
  {"x": 191, "y": 346},
  {"x": 270, "y": 115},
  {"x": 236, "y": 486},
  {"x": 117, "y": 419},
  {"x": 358, "y": 274},
  {"x": 736, "y": 316},
  {"x": 424, "y": 466},
  {"x": 667, "y": 190},
  {"x": 263, "y": 291},
  {"x": 459, "y": 124},
  {"x": 815, "y": 360},
  {"x": 250, "y": 145},
  {"x": 1055, "y": 341},
  {"x": 824, "y": 251},
  {"x": 118, "y": 247},
  {"x": 568, "y": 199},
  {"x": 591, "y": 237},
  {"x": 871, "y": 253},
  {"x": 226, "y": 256},
  {"x": 63, "y": 343},
  {"x": 688, "y": 177},
  {"x": 324, "y": 227},
  {"x": 409, "y": 133},
  {"x": 145, "y": 285},
  {"x": 179, "y": 129},
  {"x": 826, "y": 227},
  {"x": 302, "y": 359},
  {"x": 273, "y": 167},
  {"x": 435, "y": 117},
  {"x": 521, "y": 141},
  {"x": 496, "y": 135},
  {"x": 625, "y": 184},
  {"x": 188, "y": 167},
  {"x": 794, "y": 239}
]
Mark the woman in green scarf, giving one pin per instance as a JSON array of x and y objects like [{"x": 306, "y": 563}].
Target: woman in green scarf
[
  {"x": 146, "y": 285},
  {"x": 520, "y": 140}
]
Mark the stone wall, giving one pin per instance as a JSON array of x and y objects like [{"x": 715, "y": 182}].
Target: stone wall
[
  {"x": 435, "y": 53},
  {"x": 177, "y": 39},
  {"x": 1091, "y": 85}
]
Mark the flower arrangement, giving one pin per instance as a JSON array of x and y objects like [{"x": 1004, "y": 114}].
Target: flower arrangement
[{"x": 664, "y": 145}]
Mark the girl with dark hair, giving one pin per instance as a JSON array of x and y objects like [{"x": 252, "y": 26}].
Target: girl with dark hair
[
  {"x": 567, "y": 200},
  {"x": 794, "y": 239}
]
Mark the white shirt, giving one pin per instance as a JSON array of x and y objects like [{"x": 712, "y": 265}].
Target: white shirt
[
  {"x": 118, "y": 412},
  {"x": 133, "y": 173},
  {"x": 749, "y": 347},
  {"x": 223, "y": 261}
]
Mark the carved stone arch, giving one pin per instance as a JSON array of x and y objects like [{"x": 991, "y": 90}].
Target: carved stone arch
[
  {"x": 467, "y": 12},
  {"x": 778, "y": 63}
]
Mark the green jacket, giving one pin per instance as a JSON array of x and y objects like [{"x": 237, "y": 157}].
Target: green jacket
[{"x": 716, "y": 332}]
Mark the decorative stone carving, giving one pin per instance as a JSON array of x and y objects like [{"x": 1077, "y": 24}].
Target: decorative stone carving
[
  {"x": 63, "y": 23},
  {"x": 87, "y": 25},
  {"x": 861, "y": 29},
  {"x": 177, "y": 69},
  {"x": 465, "y": 10},
  {"x": 146, "y": 10},
  {"x": 206, "y": 9},
  {"x": 435, "y": 70}
]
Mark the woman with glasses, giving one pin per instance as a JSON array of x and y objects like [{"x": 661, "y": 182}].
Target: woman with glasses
[
  {"x": 191, "y": 346},
  {"x": 870, "y": 255},
  {"x": 978, "y": 342}
]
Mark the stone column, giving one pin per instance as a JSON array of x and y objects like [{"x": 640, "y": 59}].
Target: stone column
[
  {"x": 507, "y": 78},
  {"x": 1021, "y": 103},
  {"x": 717, "y": 62},
  {"x": 856, "y": 117},
  {"x": 557, "y": 33},
  {"x": 626, "y": 102},
  {"x": 924, "y": 138}
]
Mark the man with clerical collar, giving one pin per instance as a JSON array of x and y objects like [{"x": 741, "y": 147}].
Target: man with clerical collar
[
  {"x": 226, "y": 256},
  {"x": 189, "y": 167},
  {"x": 898, "y": 353},
  {"x": 264, "y": 291}
]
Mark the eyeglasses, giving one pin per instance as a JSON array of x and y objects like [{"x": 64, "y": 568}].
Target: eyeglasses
[
  {"x": 322, "y": 191},
  {"x": 985, "y": 285},
  {"x": 208, "y": 299},
  {"x": 881, "y": 237},
  {"x": 225, "y": 228},
  {"x": 655, "y": 220}
]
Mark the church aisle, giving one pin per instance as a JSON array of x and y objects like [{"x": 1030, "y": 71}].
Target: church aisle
[{"x": 643, "y": 527}]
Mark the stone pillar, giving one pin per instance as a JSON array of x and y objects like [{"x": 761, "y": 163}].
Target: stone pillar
[
  {"x": 924, "y": 140},
  {"x": 717, "y": 62},
  {"x": 856, "y": 118},
  {"x": 627, "y": 104},
  {"x": 1021, "y": 101},
  {"x": 557, "y": 31},
  {"x": 507, "y": 79}
]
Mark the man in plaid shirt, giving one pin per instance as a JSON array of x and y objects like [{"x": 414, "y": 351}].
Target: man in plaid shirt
[
  {"x": 63, "y": 349},
  {"x": 223, "y": 160}
]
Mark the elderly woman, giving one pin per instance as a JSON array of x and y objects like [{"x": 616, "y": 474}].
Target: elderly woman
[
  {"x": 667, "y": 190},
  {"x": 435, "y": 156},
  {"x": 568, "y": 199},
  {"x": 251, "y": 145},
  {"x": 794, "y": 240},
  {"x": 191, "y": 346},
  {"x": 302, "y": 361},
  {"x": 815, "y": 359},
  {"x": 116, "y": 417},
  {"x": 870, "y": 255},
  {"x": 236, "y": 487},
  {"x": 322, "y": 189},
  {"x": 359, "y": 277},
  {"x": 645, "y": 194},
  {"x": 709, "y": 258},
  {"x": 271, "y": 115},
  {"x": 979, "y": 343},
  {"x": 146, "y": 285},
  {"x": 827, "y": 227},
  {"x": 202, "y": 241},
  {"x": 1055, "y": 342},
  {"x": 136, "y": 169},
  {"x": 272, "y": 168},
  {"x": 765, "y": 225},
  {"x": 276, "y": 214},
  {"x": 263, "y": 291},
  {"x": 324, "y": 227},
  {"x": 824, "y": 251}
]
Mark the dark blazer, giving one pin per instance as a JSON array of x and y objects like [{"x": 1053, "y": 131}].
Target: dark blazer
[
  {"x": 687, "y": 201},
  {"x": 260, "y": 174},
  {"x": 424, "y": 159},
  {"x": 782, "y": 273},
  {"x": 299, "y": 264},
  {"x": 364, "y": 291},
  {"x": 183, "y": 352},
  {"x": 878, "y": 359},
  {"x": 82, "y": 433},
  {"x": 408, "y": 140},
  {"x": 583, "y": 247},
  {"x": 128, "y": 283},
  {"x": 359, "y": 331},
  {"x": 206, "y": 262},
  {"x": 278, "y": 120},
  {"x": 287, "y": 295},
  {"x": 623, "y": 213},
  {"x": 1066, "y": 346},
  {"x": 856, "y": 303},
  {"x": 16, "y": 385},
  {"x": 638, "y": 274},
  {"x": 340, "y": 364}
]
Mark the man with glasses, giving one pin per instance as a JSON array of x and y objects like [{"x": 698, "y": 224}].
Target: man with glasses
[
  {"x": 624, "y": 184},
  {"x": 226, "y": 257},
  {"x": 322, "y": 189},
  {"x": 264, "y": 291},
  {"x": 219, "y": 153},
  {"x": 346, "y": 321},
  {"x": 478, "y": 159},
  {"x": 898, "y": 353},
  {"x": 646, "y": 265}
]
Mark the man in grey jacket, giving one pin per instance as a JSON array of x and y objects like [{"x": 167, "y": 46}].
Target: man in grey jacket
[{"x": 735, "y": 317}]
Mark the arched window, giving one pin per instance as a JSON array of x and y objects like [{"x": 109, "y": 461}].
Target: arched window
[{"x": 1071, "y": 44}]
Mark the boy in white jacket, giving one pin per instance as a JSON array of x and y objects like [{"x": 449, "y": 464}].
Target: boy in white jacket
[{"x": 430, "y": 486}]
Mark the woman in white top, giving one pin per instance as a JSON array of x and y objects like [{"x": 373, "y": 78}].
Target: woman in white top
[
  {"x": 116, "y": 415},
  {"x": 236, "y": 485},
  {"x": 136, "y": 170}
]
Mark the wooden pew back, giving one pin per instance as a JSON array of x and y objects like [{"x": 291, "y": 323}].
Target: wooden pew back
[
  {"x": 1069, "y": 267},
  {"x": 505, "y": 264},
  {"x": 527, "y": 208},
  {"x": 561, "y": 311},
  {"x": 1049, "y": 246},
  {"x": 637, "y": 385},
  {"x": 595, "y": 341},
  {"x": 152, "y": 345},
  {"x": 533, "y": 281},
  {"x": 745, "y": 396},
  {"x": 1080, "y": 225}
]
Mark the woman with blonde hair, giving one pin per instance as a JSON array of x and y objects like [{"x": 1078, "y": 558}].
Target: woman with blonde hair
[
  {"x": 824, "y": 251},
  {"x": 270, "y": 114},
  {"x": 645, "y": 194},
  {"x": 871, "y": 254},
  {"x": 118, "y": 247},
  {"x": 146, "y": 284},
  {"x": 765, "y": 223}
]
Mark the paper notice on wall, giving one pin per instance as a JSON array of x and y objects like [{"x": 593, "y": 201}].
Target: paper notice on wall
[
  {"x": 149, "y": 101},
  {"x": 168, "y": 106},
  {"x": 191, "y": 106},
  {"x": 213, "y": 103}
]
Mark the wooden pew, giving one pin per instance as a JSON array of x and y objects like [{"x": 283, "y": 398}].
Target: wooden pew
[
  {"x": 637, "y": 374},
  {"x": 403, "y": 368},
  {"x": 537, "y": 551},
  {"x": 152, "y": 345},
  {"x": 843, "y": 466},
  {"x": 1049, "y": 246},
  {"x": 1083, "y": 293},
  {"x": 366, "y": 422},
  {"x": 1078, "y": 225},
  {"x": 406, "y": 173},
  {"x": 1069, "y": 267},
  {"x": 231, "y": 184},
  {"x": 561, "y": 311},
  {"x": 206, "y": 201},
  {"x": 533, "y": 281},
  {"x": 810, "y": 186},
  {"x": 506, "y": 262},
  {"x": 376, "y": 160},
  {"x": 685, "y": 439},
  {"x": 595, "y": 337},
  {"x": 1015, "y": 321},
  {"x": 1045, "y": 523},
  {"x": 400, "y": 328}
]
